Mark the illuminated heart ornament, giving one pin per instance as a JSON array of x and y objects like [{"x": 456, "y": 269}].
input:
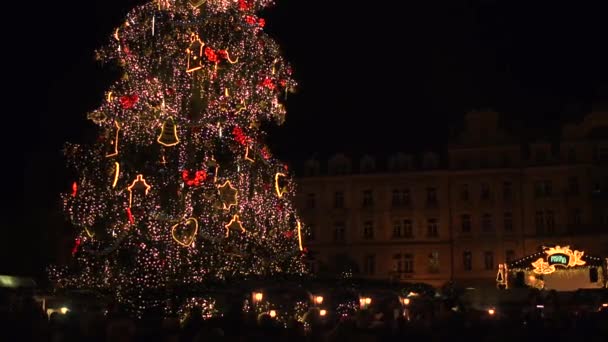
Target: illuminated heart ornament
[{"x": 184, "y": 232}]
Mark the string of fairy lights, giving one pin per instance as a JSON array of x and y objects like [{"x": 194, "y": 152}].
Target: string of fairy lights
[{"x": 179, "y": 186}]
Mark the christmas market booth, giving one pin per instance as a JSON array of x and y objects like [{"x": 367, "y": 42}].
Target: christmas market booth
[{"x": 554, "y": 268}]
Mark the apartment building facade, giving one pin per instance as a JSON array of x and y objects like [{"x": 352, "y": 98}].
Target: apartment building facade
[{"x": 490, "y": 199}]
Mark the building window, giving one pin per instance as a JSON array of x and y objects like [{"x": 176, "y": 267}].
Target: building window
[
  {"x": 369, "y": 264},
  {"x": 396, "y": 199},
  {"x": 338, "y": 200},
  {"x": 400, "y": 197},
  {"x": 467, "y": 260},
  {"x": 368, "y": 230},
  {"x": 550, "y": 221},
  {"x": 397, "y": 229},
  {"x": 572, "y": 156},
  {"x": 310, "y": 201},
  {"x": 405, "y": 197},
  {"x": 506, "y": 160},
  {"x": 434, "y": 262},
  {"x": 539, "y": 220},
  {"x": 431, "y": 196},
  {"x": 509, "y": 255},
  {"x": 541, "y": 156},
  {"x": 576, "y": 216},
  {"x": 507, "y": 190},
  {"x": 466, "y": 223},
  {"x": 368, "y": 199},
  {"x": 432, "y": 230},
  {"x": 310, "y": 233},
  {"x": 402, "y": 229},
  {"x": 403, "y": 263},
  {"x": 508, "y": 222},
  {"x": 573, "y": 188},
  {"x": 485, "y": 191},
  {"x": 339, "y": 232},
  {"x": 488, "y": 260},
  {"x": 543, "y": 188},
  {"x": 408, "y": 263},
  {"x": 408, "y": 230},
  {"x": 486, "y": 223},
  {"x": 464, "y": 193}
]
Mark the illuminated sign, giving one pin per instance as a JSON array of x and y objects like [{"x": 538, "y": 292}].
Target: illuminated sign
[{"x": 558, "y": 256}]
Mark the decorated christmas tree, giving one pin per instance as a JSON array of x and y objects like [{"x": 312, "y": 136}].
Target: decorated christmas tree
[{"x": 179, "y": 188}]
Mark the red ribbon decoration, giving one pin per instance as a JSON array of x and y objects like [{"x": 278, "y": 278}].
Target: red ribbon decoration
[
  {"x": 128, "y": 101},
  {"x": 76, "y": 245},
  {"x": 199, "y": 177},
  {"x": 211, "y": 55},
  {"x": 130, "y": 215},
  {"x": 268, "y": 84},
  {"x": 239, "y": 136},
  {"x": 74, "y": 189}
]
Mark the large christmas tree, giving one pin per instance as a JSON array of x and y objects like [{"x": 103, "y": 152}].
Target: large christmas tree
[{"x": 179, "y": 188}]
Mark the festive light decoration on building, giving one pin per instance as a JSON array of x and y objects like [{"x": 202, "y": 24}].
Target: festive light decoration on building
[
  {"x": 209, "y": 105},
  {"x": 558, "y": 256},
  {"x": 74, "y": 189},
  {"x": 299, "y": 235},
  {"x": 138, "y": 183},
  {"x": 195, "y": 53},
  {"x": 185, "y": 233},
  {"x": 234, "y": 224},
  {"x": 279, "y": 188},
  {"x": 228, "y": 195},
  {"x": 114, "y": 143},
  {"x": 168, "y": 134},
  {"x": 116, "y": 174}
]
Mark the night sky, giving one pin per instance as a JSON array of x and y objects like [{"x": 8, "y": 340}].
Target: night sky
[{"x": 373, "y": 78}]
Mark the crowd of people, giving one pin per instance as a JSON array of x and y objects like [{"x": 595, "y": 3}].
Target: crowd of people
[{"x": 28, "y": 322}]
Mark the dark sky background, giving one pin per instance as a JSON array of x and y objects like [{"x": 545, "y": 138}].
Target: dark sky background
[{"x": 374, "y": 77}]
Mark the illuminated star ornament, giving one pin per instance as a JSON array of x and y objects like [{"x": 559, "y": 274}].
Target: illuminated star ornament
[
  {"x": 228, "y": 195},
  {"x": 234, "y": 224}
]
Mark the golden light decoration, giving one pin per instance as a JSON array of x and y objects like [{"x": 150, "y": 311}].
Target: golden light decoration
[
  {"x": 299, "y": 226},
  {"x": 247, "y": 157},
  {"x": 195, "y": 53},
  {"x": 114, "y": 142},
  {"x": 196, "y": 3},
  {"x": 168, "y": 133},
  {"x": 280, "y": 190},
  {"x": 97, "y": 117},
  {"x": 116, "y": 174},
  {"x": 184, "y": 233},
  {"x": 139, "y": 182},
  {"x": 234, "y": 224},
  {"x": 228, "y": 195},
  {"x": 558, "y": 256},
  {"x": 89, "y": 233}
]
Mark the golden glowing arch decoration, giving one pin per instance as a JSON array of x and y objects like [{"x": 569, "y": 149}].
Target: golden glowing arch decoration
[{"x": 279, "y": 190}]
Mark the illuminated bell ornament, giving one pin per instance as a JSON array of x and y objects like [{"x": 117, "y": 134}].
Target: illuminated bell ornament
[
  {"x": 196, "y": 3},
  {"x": 195, "y": 53},
  {"x": 168, "y": 134}
]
